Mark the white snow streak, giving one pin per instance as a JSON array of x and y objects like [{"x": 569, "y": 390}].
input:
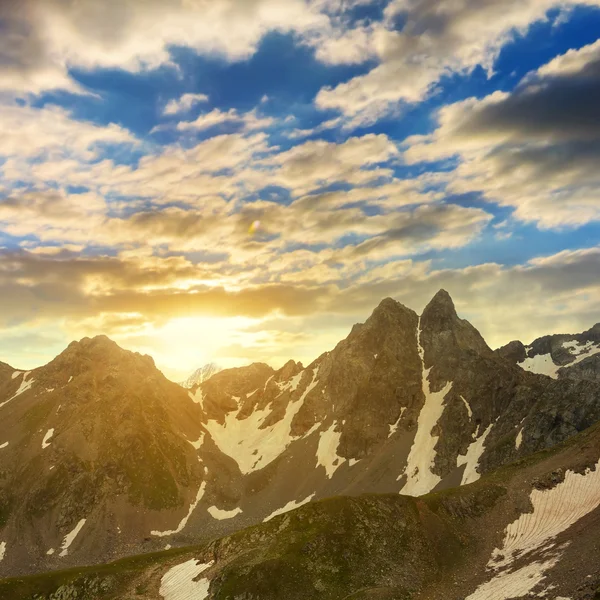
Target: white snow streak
[
  {"x": 47, "y": 438},
  {"x": 519, "y": 439},
  {"x": 15, "y": 374},
  {"x": 178, "y": 583},
  {"x": 394, "y": 427},
  {"x": 248, "y": 443},
  {"x": 185, "y": 519},
  {"x": 50, "y": 552},
  {"x": 70, "y": 537},
  {"x": 472, "y": 457},
  {"x": 327, "y": 455},
  {"x": 4, "y": 445},
  {"x": 468, "y": 407},
  {"x": 422, "y": 454},
  {"x": 293, "y": 505},
  {"x": 223, "y": 515},
  {"x": 2, "y": 551},
  {"x": 25, "y": 385}
]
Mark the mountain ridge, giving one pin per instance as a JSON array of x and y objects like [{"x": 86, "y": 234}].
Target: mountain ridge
[{"x": 405, "y": 403}]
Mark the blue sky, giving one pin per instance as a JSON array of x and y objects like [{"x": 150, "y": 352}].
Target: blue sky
[{"x": 239, "y": 181}]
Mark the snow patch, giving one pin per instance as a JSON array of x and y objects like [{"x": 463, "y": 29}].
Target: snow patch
[
  {"x": 16, "y": 374},
  {"x": 197, "y": 396},
  {"x": 47, "y": 438},
  {"x": 3, "y": 445},
  {"x": 183, "y": 521},
  {"x": 23, "y": 387},
  {"x": 198, "y": 444},
  {"x": 554, "y": 511},
  {"x": 542, "y": 364},
  {"x": 519, "y": 439},
  {"x": 250, "y": 444},
  {"x": 472, "y": 457},
  {"x": 327, "y": 451},
  {"x": 468, "y": 407},
  {"x": 70, "y": 379},
  {"x": 353, "y": 461},
  {"x": 394, "y": 427},
  {"x": 2, "y": 551},
  {"x": 50, "y": 552},
  {"x": 291, "y": 385},
  {"x": 70, "y": 537},
  {"x": 223, "y": 515},
  {"x": 421, "y": 480},
  {"x": 293, "y": 505},
  {"x": 179, "y": 582},
  {"x": 514, "y": 584}
]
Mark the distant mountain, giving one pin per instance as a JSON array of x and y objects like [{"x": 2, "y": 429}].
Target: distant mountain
[
  {"x": 575, "y": 356},
  {"x": 201, "y": 375},
  {"x": 530, "y": 530},
  {"x": 104, "y": 457}
]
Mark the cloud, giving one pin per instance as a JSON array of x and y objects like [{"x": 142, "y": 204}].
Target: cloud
[
  {"x": 184, "y": 103},
  {"x": 535, "y": 149},
  {"x": 250, "y": 121},
  {"x": 52, "y": 131},
  {"x": 47, "y": 38},
  {"x": 433, "y": 41}
]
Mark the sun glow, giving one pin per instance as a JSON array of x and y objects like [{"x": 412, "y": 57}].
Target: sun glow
[{"x": 186, "y": 343}]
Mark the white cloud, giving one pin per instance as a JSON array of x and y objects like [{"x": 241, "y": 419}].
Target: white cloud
[
  {"x": 184, "y": 103},
  {"x": 47, "y": 37},
  {"x": 251, "y": 121},
  {"x": 535, "y": 149},
  {"x": 435, "y": 39}
]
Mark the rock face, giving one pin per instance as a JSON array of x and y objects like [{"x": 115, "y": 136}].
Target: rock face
[
  {"x": 405, "y": 404},
  {"x": 530, "y": 530},
  {"x": 559, "y": 356}
]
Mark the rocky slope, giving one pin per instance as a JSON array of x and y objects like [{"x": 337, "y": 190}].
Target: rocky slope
[
  {"x": 94, "y": 452},
  {"x": 528, "y": 530},
  {"x": 406, "y": 403},
  {"x": 575, "y": 356}
]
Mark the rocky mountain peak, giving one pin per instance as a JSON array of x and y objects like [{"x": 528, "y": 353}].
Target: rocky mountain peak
[
  {"x": 441, "y": 308},
  {"x": 389, "y": 313},
  {"x": 99, "y": 353},
  {"x": 445, "y": 330}
]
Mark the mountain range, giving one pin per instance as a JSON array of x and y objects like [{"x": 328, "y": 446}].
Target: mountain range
[{"x": 104, "y": 458}]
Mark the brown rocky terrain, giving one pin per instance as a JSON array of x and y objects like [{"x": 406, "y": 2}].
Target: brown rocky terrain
[{"x": 406, "y": 403}]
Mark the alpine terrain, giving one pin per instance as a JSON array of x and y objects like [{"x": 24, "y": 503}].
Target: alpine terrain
[{"x": 422, "y": 465}]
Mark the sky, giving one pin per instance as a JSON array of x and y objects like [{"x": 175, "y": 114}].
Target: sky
[{"x": 243, "y": 180}]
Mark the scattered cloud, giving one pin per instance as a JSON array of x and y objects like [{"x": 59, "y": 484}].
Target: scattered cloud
[
  {"x": 184, "y": 103},
  {"x": 534, "y": 149}
]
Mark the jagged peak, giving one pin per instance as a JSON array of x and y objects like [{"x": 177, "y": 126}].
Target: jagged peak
[{"x": 441, "y": 304}]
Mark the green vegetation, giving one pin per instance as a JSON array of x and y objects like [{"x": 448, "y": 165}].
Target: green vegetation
[{"x": 88, "y": 583}]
